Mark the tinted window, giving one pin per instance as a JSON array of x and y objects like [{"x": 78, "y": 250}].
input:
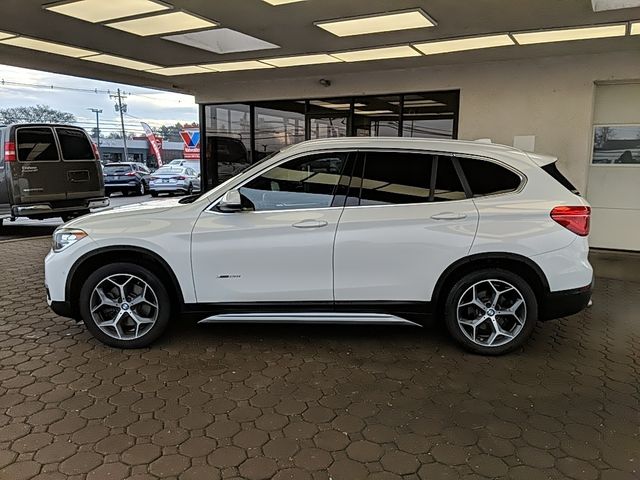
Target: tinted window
[
  {"x": 307, "y": 182},
  {"x": 395, "y": 178},
  {"x": 488, "y": 178},
  {"x": 36, "y": 145},
  {"x": 74, "y": 144},
  {"x": 552, "y": 169}
]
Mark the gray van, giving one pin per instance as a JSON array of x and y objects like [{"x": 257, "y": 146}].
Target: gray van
[{"x": 48, "y": 171}]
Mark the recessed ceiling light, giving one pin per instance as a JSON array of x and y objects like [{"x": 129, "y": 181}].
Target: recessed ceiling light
[
  {"x": 462, "y": 44},
  {"x": 603, "y": 5},
  {"x": 301, "y": 60},
  {"x": 5, "y": 35},
  {"x": 282, "y": 2},
  {"x": 236, "y": 66},
  {"x": 635, "y": 28},
  {"x": 184, "y": 70},
  {"x": 102, "y": 10},
  {"x": 334, "y": 106},
  {"x": 569, "y": 34},
  {"x": 221, "y": 40},
  {"x": 386, "y": 22},
  {"x": 377, "y": 54},
  {"x": 49, "y": 47},
  {"x": 121, "y": 62},
  {"x": 163, "y": 23}
]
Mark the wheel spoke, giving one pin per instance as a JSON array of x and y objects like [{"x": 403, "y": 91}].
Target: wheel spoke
[
  {"x": 127, "y": 321},
  {"x": 494, "y": 324}
]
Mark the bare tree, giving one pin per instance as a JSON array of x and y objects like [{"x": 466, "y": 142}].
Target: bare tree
[{"x": 34, "y": 114}]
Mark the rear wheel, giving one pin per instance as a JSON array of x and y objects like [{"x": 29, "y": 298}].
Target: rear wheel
[
  {"x": 491, "y": 311},
  {"x": 154, "y": 194},
  {"x": 190, "y": 189},
  {"x": 125, "y": 305}
]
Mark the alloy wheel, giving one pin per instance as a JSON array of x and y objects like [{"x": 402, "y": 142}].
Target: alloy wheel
[
  {"x": 491, "y": 313},
  {"x": 124, "y": 306}
]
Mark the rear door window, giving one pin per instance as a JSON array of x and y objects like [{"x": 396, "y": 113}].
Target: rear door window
[
  {"x": 393, "y": 178},
  {"x": 447, "y": 185},
  {"x": 36, "y": 144},
  {"x": 74, "y": 144},
  {"x": 488, "y": 178}
]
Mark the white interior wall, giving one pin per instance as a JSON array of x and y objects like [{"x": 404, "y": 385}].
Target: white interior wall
[
  {"x": 614, "y": 190},
  {"x": 551, "y": 97}
]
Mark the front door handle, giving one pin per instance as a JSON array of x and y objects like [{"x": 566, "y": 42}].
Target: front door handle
[
  {"x": 448, "y": 216},
  {"x": 311, "y": 224}
]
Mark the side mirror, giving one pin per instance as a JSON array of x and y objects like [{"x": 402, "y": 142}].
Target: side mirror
[{"x": 231, "y": 202}]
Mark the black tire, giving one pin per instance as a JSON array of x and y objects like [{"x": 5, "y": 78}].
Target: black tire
[
  {"x": 141, "y": 190},
  {"x": 154, "y": 194},
  {"x": 125, "y": 193},
  {"x": 190, "y": 189},
  {"x": 164, "y": 304},
  {"x": 459, "y": 289}
]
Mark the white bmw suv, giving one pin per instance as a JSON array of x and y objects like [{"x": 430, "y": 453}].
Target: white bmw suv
[{"x": 487, "y": 238}]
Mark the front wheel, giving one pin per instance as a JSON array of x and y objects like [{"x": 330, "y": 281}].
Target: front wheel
[
  {"x": 491, "y": 311},
  {"x": 125, "y": 305}
]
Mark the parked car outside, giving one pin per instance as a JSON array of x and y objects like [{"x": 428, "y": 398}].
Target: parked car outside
[
  {"x": 486, "y": 238},
  {"x": 126, "y": 177},
  {"x": 47, "y": 171},
  {"x": 174, "y": 179},
  {"x": 185, "y": 162}
]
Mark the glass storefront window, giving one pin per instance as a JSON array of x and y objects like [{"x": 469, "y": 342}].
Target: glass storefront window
[
  {"x": 228, "y": 141},
  {"x": 429, "y": 115},
  {"x": 377, "y": 116},
  {"x": 240, "y": 134},
  {"x": 277, "y": 125}
]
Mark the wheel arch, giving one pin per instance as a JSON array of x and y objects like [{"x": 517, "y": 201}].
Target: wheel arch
[
  {"x": 518, "y": 264},
  {"x": 143, "y": 257}
]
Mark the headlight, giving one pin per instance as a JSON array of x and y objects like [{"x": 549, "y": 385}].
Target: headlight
[{"x": 65, "y": 237}]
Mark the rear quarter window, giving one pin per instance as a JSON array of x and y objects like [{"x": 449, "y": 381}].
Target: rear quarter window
[
  {"x": 74, "y": 144},
  {"x": 36, "y": 144},
  {"x": 488, "y": 178}
]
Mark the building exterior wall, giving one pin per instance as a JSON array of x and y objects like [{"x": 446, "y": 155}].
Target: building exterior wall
[{"x": 551, "y": 98}]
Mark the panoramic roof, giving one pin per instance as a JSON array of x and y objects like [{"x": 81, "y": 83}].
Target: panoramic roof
[{"x": 188, "y": 45}]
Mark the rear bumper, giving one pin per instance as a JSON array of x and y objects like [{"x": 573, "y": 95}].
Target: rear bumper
[
  {"x": 565, "y": 302},
  {"x": 52, "y": 208}
]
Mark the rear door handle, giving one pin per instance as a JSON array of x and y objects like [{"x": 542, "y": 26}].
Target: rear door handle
[
  {"x": 448, "y": 216},
  {"x": 311, "y": 224}
]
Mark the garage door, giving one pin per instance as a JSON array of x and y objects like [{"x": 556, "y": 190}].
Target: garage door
[{"x": 614, "y": 174}]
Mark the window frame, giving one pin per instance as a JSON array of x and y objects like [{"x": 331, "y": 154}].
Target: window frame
[
  {"x": 212, "y": 208},
  {"x": 55, "y": 140},
  {"x": 62, "y": 158}
]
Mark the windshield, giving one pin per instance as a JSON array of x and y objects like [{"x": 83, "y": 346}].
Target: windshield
[{"x": 117, "y": 169}]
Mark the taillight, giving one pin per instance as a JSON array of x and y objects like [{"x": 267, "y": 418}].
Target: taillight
[
  {"x": 575, "y": 219},
  {"x": 180, "y": 178},
  {"x": 96, "y": 152},
  {"x": 130, "y": 174},
  {"x": 10, "y": 152}
]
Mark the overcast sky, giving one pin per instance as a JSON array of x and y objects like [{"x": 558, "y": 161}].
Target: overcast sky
[{"x": 152, "y": 106}]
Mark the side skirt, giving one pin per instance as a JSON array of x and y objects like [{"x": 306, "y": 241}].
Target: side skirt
[
  {"x": 351, "y": 312},
  {"x": 311, "y": 318}
]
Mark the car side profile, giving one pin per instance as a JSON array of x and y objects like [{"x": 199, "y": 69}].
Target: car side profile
[
  {"x": 47, "y": 171},
  {"x": 485, "y": 237}
]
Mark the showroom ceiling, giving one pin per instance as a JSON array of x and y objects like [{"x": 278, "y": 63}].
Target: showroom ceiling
[{"x": 185, "y": 44}]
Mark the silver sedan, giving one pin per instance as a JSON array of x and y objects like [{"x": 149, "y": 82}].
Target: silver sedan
[{"x": 174, "y": 179}]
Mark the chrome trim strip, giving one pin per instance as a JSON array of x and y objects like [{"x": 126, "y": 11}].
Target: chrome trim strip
[{"x": 310, "y": 317}]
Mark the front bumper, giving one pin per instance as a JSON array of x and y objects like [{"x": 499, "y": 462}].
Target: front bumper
[{"x": 565, "y": 302}]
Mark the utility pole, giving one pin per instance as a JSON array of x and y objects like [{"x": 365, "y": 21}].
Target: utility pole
[
  {"x": 97, "y": 112},
  {"x": 122, "y": 109}
]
